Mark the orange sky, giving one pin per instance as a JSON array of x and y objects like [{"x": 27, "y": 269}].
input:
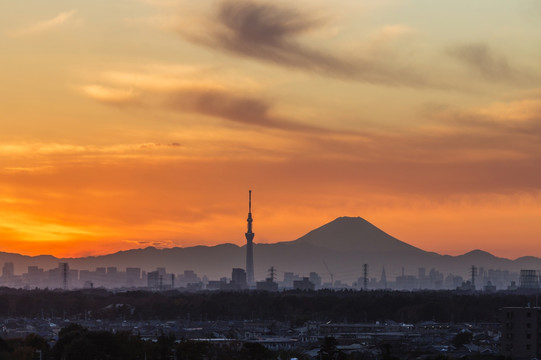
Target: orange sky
[{"x": 139, "y": 123}]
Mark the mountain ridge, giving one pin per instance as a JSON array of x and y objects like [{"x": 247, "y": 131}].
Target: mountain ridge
[{"x": 342, "y": 245}]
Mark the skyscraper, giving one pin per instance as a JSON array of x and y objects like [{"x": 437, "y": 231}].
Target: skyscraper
[
  {"x": 238, "y": 279},
  {"x": 8, "y": 269},
  {"x": 249, "y": 245}
]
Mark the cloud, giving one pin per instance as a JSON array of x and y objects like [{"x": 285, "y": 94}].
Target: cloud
[
  {"x": 514, "y": 120},
  {"x": 46, "y": 25},
  {"x": 64, "y": 151},
  {"x": 501, "y": 131},
  {"x": 485, "y": 62},
  {"x": 271, "y": 33},
  {"x": 501, "y": 137},
  {"x": 192, "y": 91},
  {"x": 112, "y": 96},
  {"x": 388, "y": 33},
  {"x": 234, "y": 107},
  {"x": 516, "y": 112}
]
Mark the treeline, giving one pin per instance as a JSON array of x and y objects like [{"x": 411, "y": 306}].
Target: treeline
[
  {"x": 77, "y": 343},
  {"x": 295, "y": 307}
]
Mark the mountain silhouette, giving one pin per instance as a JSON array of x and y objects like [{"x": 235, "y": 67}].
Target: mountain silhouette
[
  {"x": 354, "y": 234},
  {"x": 340, "y": 247}
]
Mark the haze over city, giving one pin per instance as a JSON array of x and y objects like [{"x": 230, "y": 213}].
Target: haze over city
[{"x": 129, "y": 124}]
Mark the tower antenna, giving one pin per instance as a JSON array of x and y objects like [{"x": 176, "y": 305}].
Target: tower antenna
[{"x": 249, "y": 244}]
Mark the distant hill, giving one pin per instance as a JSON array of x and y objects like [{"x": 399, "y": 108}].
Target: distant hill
[{"x": 340, "y": 247}]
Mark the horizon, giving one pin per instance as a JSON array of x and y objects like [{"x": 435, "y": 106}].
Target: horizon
[
  {"x": 269, "y": 243},
  {"x": 141, "y": 123}
]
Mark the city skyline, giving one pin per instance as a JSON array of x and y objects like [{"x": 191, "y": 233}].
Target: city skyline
[
  {"x": 144, "y": 122},
  {"x": 345, "y": 251}
]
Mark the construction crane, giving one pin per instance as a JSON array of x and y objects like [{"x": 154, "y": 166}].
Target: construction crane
[{"x": 330, "y": 274}]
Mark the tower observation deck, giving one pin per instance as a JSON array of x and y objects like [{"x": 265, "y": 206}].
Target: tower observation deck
[{"x": 249, "y": 244}]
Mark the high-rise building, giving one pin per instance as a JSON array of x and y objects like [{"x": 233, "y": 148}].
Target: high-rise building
[
  {"x": 249, "y": 244},
  {"x": 289, "y": 277},
  {"x": 189, "y": 277},
  {"x": 238, "y": 279},
  {"x": 64, "y": 274},
  {"x": 268, "y": 284},
  {"x": 521, "y": 332},
  {"x": 383, "y": 280},
  {"x": 304, "y": 284},
  {"x": 133, "y": 276},
  {"x": 154, "y": 280},
  {"x": 315, "y": 279},
  {"x": 8, "y": 269},
  {"x": 528, "y": 279}
]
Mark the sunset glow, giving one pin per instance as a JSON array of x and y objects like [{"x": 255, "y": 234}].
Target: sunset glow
[{"x": 137, "y": 123}]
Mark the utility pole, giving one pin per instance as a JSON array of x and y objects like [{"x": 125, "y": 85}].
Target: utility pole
[{"x": 272, "y": 272}]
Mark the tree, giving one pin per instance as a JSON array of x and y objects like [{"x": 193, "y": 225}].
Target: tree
[
  {"x": 192, "y": 350},
  {"x": 386, "y": 351},
  {"x": 5, "y": 349},
  {"x": 329, "y": 350},
  {"x": 463, "y": 337},
  {"x": 255, "y": 351}
]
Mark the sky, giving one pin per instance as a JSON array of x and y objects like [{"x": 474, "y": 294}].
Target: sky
[{"x": 135, "y": 123}]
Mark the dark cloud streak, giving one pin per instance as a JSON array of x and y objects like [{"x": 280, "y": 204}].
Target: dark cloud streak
[
  {"x": 233, "y": 107},
  {"x": 494, "y": 67},
  {"x": 269, "y": 33}
]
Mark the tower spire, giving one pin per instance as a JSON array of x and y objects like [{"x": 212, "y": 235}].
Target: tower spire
[{"x": 249, "y": 244}]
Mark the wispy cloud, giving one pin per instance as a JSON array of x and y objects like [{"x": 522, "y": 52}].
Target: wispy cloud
[
  {"x": 388, "y": 33},
  {"x": 513, "y": 124},
  {"x": 484, "y": 61},
  {"x": 249, "y": 110},
  {"x": 26, "y": 150},
  {"x": 194, "y": 92},
  {"x": 112, "y": 96},
  {"x": 272, "y": 33},
  {"x": 46, "y": 25}
]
